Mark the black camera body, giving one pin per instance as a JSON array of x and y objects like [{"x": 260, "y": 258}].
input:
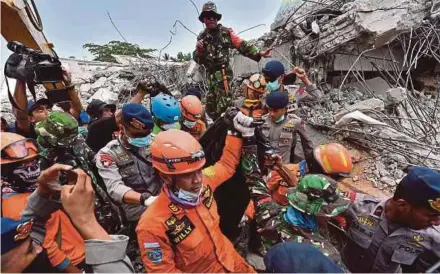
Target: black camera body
[{"x": 35, "y": 67}]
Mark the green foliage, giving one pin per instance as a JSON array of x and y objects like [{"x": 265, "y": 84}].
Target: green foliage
[
  {"x": 181, "y": 57},
  {"x": 104, "y": 52},
  {"x": 166, "y": 57},
  {"x": 72, "y": 57}
]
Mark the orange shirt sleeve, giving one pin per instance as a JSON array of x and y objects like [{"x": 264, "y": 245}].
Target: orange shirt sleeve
[
  {"x": 56, "y": 256},
  {"x": 156, "y": 250},
  {"x": 221, "y": 171}
]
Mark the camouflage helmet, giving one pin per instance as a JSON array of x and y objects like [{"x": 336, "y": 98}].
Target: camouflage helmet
[
  {"x": 209, "y": 7},
  {"x": 316, "y": 195},
  {"x": 59, "y": 129}
]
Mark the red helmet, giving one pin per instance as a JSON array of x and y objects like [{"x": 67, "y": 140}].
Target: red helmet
[
  {"x": 177, "y": 152},
  {"x": 16, "y": 148},
  {"x": 334, "y": 158},
  {"x": 191, "y": 108}
]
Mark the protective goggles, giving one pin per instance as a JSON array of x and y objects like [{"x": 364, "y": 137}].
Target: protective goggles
[
  {"x": 330, "y": 194},
  {"x": 20, "y": 149},
  {"x": 195, "y": 157},
  {"x": 257, "y": 82}
]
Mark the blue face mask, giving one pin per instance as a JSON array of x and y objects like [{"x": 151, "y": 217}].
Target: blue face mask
[
  {"x": 140, "y": 142},
  {"x": 189, "y": 124},
  {"x": 273, "y": 86},
  {"x": 168, "y": 126}
]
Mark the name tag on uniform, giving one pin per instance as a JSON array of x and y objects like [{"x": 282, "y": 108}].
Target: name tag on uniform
[{"x": 179, "y": 230}]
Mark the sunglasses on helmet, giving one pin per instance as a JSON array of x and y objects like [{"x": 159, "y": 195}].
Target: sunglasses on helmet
[
  {"x": 20, "y": 149},
  {"x": 195, "y": 157},
  {"x": 257, "y": 81}
]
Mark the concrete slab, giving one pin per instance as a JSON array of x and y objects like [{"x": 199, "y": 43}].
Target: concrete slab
[{"x": 376, "y": 85}]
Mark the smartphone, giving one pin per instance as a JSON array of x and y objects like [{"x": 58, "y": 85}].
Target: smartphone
[{"x": 68, "y": 177}]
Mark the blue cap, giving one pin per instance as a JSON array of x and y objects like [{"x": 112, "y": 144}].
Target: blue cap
[
  {"x": 33, "y": 105},
  {"x": 277, "y": 100},
  {"x": 274, "y": 68},
  {"x": 14, "y": 232},
  {"x": 137, "y": 116},
  {"x": 422, "y": 184},
  {"x": 292, "y": 257}
]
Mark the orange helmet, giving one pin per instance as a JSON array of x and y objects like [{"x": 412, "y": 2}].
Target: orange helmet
[
  {"x": 177, "y": 152},
  {"x": 257, "y": 83},
  {"x": 334, "y": 158},
  {"x": 191, "y": 107},
  {"x": 16, "y": 148}
]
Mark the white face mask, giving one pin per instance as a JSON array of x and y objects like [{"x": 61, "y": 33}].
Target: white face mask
[
  {"x": 189, "y": 196},
  {"x": 189, "y": 124},
  {"x": 168, "y": 126}
]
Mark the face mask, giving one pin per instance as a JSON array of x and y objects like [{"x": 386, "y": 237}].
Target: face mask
[
  {"x": 168, "y": 126},
  {"x": 279, "y": 120},
  {"x": 140, "y": 142},
  {"x": 189, "y": 196},
  {"x": 189, "y": 124},
  {"x": 272, "y": 86},
  {"x": 23, "y": 178}
]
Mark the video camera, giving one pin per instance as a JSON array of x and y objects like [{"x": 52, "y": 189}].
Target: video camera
[{"x": 35, "y": 67}]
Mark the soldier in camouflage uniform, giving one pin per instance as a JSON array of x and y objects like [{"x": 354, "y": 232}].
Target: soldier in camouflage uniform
[
  {"x": 311, "y": 202},
  {"x": 60, "y": 142},
  {"x": 212, "y": 51}
]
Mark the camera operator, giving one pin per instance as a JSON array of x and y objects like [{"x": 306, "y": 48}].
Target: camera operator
[
  {"x": 105, "y": 120},
  {"x": 104, "y": 252}
]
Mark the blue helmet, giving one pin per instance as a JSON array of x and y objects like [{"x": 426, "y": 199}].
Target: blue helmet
[
  {"x": 165, "y": 108},
  {"x": 274, "y": 68}
]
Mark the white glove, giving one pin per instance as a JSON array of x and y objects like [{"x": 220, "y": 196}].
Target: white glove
[
  {"x": 242, "y": 123},
  {"x": 150, "y": 200}
]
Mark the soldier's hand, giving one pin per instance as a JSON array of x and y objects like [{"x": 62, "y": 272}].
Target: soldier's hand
[
  {"x": 200, "y": 46},
  {"x": 266, "y": 53},
  {"x": 146, "y": 85},
  {"x": 274, "y": 161},
  {"x": 79, "y": 199},
  {"x": 242, "y": 124},
  {"x": 48, "y": 181},
  {"x": 300, "y": 73}
]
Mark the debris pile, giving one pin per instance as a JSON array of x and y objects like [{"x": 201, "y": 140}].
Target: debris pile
[{"x": 401, "y": 130}]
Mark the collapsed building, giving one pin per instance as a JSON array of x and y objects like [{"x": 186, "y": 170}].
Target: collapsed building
[{"x": 378, "y": 63}]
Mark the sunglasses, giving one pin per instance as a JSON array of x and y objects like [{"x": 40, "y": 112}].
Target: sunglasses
[
  {"x": 257, "y": 81},
  {"x": 20, "y": 149}
]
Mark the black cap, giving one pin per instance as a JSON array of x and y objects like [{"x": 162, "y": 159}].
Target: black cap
[
  {"x": 95, "y": 108},
  {"x": 33, "y": 105}
]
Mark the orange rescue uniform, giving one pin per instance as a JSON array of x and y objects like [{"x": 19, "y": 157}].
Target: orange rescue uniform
[
  {"x": 278, "y": 187},
  {"x": 176, "y": 239},
  {"x": 197, "y": 131},
  {"x": 63, "y": 243}
]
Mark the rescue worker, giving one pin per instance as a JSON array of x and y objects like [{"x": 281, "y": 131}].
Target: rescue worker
[
  {"x": 22, "y": 253},
  {"x": 315, "y": 199},
  {"x": 106, "y": 119},
  {"x": 282, "y": 129},
  {"x": 180, "y": 232},
  {"x": 124, "y": 166},
  {"x": 386, "y": 235},
  {"x": 254, "y": 89},
  {"x": 212, "y": 51},
  {"x": 192, "y": 111},
  {"x": 278, "y": 183},
  {"x": 166, "y": 113},
  {"x": 274, "y": 73},
  {"x": 63, "y": 244}
]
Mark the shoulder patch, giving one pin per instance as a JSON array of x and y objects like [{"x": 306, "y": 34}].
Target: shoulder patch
[
  {"x": 209, "y": 172},
  {"x": 180, "y": 230},
  {"x": 154, "y": 252},
  {"x": 207, "y": 197},
  {"x": 105, "y": 159}
]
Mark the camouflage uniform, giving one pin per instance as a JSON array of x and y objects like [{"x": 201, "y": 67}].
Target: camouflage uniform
[
  {"x": 60, "y": 142},
  {"x": 272, "y": 220},
  {"x": 215, "y": 57}
]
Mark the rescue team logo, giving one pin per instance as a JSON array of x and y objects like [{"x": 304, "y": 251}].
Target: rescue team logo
[
  {"x": 137, "y": 124},
  {"x": 209, "y": 172},
  {"x": 207, "y": 197},
  {"x": 435, "y": 204},
  {"x": 23, "y": 230},
  {"x": 154, "y": 252},
  {"x": 179, "y": 230},
  {"x": 174, "y": 208},
  {"x": 106, "y": 160}
]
